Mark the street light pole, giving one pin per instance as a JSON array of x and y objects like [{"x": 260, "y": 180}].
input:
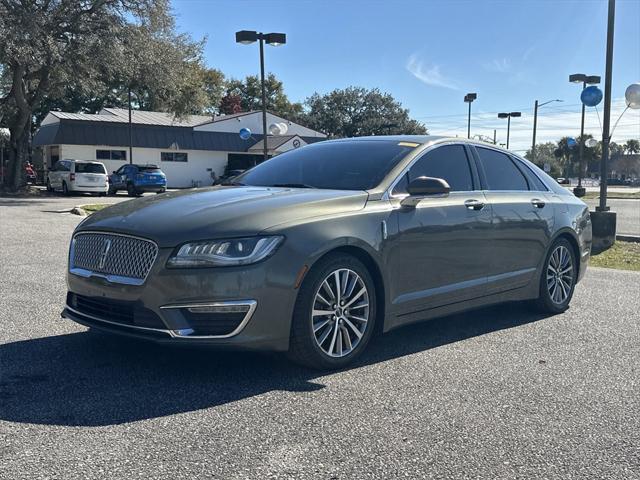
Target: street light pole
[
  {"x": 274, "y": 39},
  {"x": 265, "y": 150},
  {"x": 469, "y": 98},
  {"x": 130, "y": 131},
  {"x": 508, "y": 117},
  {"x": 585, "y": 80},
  {"x": 535, "y": 126}
]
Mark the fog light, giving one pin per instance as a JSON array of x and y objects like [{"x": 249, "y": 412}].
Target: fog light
[{"x": 220, "y": 309}]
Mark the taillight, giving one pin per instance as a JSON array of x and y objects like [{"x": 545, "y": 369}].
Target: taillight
[{"x": 72, "y": 177}]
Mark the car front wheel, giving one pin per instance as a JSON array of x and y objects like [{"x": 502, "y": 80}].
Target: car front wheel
[
  {"x": 131, "y": 190},
  {"x": 558, "y": 278},
  {"x": 335, "y": 313}
]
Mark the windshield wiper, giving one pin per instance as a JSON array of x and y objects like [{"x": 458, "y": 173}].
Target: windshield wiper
[{"x": 292, "y": 185}]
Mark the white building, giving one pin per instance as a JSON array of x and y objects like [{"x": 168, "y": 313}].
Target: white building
[{"x": 187, "y": 150}]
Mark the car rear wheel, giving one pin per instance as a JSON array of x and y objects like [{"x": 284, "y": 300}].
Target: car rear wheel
[
  {"x": 558, "y": 278},
  {"x": 334, "y": 315},
  {"x": 131, "y": 190}
]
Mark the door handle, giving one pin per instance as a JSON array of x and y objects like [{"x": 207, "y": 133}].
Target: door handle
[
  {"x": 474, "y": 204},
  {"x": 536, "y": 202}
]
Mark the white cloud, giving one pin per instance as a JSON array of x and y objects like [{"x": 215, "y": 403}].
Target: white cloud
[
  {"x": 500, "y": 65},
  {"x": 553, "y": 124},
  {"x": 429, "y": 75}
]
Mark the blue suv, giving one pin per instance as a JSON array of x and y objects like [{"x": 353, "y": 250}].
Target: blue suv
[{"x": 137, "y": 179}]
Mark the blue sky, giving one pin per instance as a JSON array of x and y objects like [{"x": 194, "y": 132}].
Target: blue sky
[{"x": 428, "y": 54}]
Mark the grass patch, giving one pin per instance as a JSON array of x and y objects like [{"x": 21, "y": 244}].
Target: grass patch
[
  {"x": 614, "y": 195},
  {"x": 622, "y": 255},
  {"x": 94, "y": 207}
]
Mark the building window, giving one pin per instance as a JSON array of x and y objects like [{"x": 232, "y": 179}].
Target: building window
[
  {"x": 111, "y": 154},
  {"x": 173, "y": 157}
]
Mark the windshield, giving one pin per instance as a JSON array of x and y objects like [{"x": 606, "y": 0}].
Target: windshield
[
  {"x": 90, "y": 168},
  {"x": 349, "y": 165}
]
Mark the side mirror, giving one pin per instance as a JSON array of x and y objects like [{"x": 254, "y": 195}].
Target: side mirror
[{"x": 422, "y": 187}]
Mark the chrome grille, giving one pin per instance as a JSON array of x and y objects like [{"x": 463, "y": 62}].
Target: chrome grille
[{"x": 112, "y": 255}]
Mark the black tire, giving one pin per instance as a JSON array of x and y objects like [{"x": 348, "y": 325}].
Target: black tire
[
  {"x": 112, "y": 190},
  {"x": 161, "y": 191},
  {"x": 546, "y": 302},
  {"x": 303, "y": 347},
  {"x": 65, "y": 189},
  {"x": 131, "y": 190},
  {"x": 49, "y": 187}
]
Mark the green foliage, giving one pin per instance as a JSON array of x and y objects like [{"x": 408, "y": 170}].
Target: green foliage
[
  {"x": 248, "y": 93},
  {"x": 632, "y": 146},
  {"x": 545, "y": 153},
  {"x": 356, "y": 111}
]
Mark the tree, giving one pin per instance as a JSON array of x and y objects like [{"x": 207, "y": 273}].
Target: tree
[
  {"x": 356, "y": 111},
  {"x": 81, "y": 55},
  {"x": 214, "y": 85},
  {"x": 249, "y": 92},
  {"x": 632, "y": 146},
  {"x": 545, "y": 154},
  {"x": 566, "y": 155}
]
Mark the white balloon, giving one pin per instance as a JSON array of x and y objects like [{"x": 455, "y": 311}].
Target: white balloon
[
  {"x": 632, "y": 95},
  {"x": 591, "y": 142},
  {"x": 274, "y": 129},
  {"x": 283, "y": 128}
]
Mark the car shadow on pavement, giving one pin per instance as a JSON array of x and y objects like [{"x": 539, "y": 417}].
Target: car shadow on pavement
[{"x": 91, "y": 379}]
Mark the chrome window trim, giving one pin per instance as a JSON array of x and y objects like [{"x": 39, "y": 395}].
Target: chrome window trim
[
  {"x": 81, "y": 272},
  {"x": 187, "y": 332},
  {"x": 135, "y": 327},
  {"x": 388, "y": 195}
]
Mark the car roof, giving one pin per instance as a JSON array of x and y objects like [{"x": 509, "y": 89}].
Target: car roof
[{"x": 420, "y": 139}]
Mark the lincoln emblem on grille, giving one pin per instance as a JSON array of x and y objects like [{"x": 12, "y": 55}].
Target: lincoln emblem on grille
[{"x": 105, "y": 251}]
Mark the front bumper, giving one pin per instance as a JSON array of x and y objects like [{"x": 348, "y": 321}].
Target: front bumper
[{"x": 267, "y": 288}]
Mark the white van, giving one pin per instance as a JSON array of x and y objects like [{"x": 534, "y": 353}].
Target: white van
[{"x": 78, "y": 176}]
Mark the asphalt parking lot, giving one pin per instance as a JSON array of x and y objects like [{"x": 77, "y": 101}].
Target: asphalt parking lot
[{"x": 496, "y": 393}]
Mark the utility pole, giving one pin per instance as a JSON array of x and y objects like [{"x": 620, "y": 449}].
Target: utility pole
[
  {"x": 602, "y": 207},
  {"x": 535, "y": 125}
]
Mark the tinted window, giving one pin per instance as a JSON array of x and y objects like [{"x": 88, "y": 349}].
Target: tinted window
[
  {"x": 173, "y": 157},
  {"x": 344, "y": 165},
  {"x": 534, "y": 180},
  {"x": 118, "y": 154},
  {"x": 150, "y": 169},
  {"x": 103, "y": 154},
  {"x": 500, "y": 171},
  {"x": 90, "y": 168},
  {"x": 448, "y": 162}
]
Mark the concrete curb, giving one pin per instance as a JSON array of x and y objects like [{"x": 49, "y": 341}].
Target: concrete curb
[{"x": 628, "y": 238}]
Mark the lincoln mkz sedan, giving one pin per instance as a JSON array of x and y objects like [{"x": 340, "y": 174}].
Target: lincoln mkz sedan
[{"x": 317, "y": 249}]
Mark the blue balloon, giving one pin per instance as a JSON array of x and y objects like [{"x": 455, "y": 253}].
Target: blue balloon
[
  {"x": 571, "y": 142},
  {"x": 591, "y": 96},
  {"x": 245, "y": 133}
]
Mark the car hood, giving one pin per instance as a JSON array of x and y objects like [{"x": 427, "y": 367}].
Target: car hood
[{"x": 176, "y": 217}]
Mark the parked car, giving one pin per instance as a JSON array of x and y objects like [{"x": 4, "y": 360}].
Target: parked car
[
  {"x": 137, "y": 179},
  {"x": 228, "y": 176},
  {"x": 563, "y": 181},
  {"x": 77, "y": 176},
  {"x": 314, "y": 250}
]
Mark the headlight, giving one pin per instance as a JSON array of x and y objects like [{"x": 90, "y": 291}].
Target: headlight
[{"x": 223, "y": 253}]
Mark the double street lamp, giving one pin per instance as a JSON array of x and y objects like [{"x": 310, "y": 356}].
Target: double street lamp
[
  {"x": 585, "y": 80},
  {"x": 469, "y": 98},
  {"x": 535, "y": 126},
  {"x": 508, "y": 117},
  {"x": 246, "y": 37}
]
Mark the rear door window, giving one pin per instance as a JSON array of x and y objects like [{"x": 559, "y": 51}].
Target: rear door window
[{"x": 500, "y": 172}]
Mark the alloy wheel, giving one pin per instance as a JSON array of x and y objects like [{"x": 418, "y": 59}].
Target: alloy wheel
[
  {"x": 340, "y": 314},
  {"x": 560, "y": 274}
]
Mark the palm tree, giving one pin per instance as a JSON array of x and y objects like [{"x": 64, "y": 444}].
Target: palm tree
[{"x": 632, "y": 146}]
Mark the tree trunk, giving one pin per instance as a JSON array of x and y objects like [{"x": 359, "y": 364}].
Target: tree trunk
[{"x": 18, "y": 156}]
